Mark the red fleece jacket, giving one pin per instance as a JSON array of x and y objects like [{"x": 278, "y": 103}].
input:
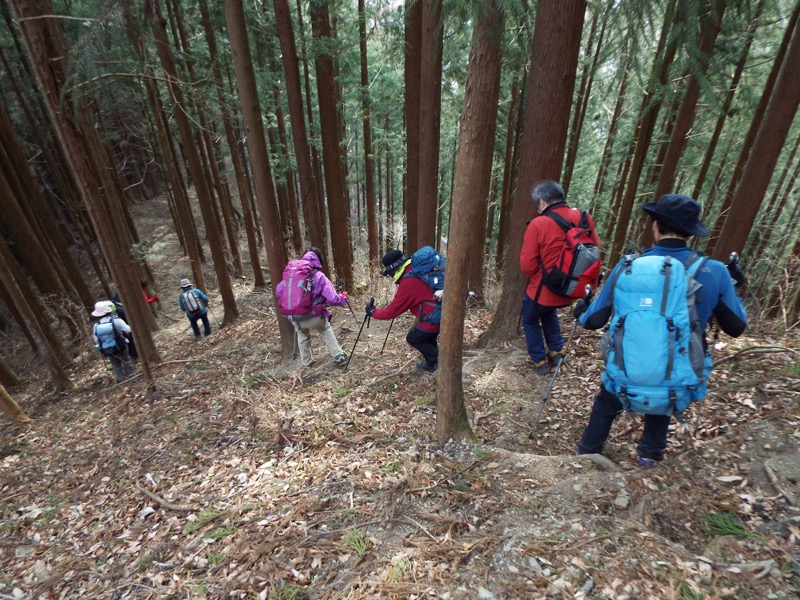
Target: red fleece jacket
[
  {"x": 544, "y": 238},
  {"x": 411, "y": 295}
]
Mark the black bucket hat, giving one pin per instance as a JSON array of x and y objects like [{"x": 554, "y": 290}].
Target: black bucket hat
[
  {"x": 391, "y": 261},
  {"x": 678, "y": 212}
]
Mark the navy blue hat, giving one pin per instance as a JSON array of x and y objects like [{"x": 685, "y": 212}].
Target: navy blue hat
[
  {"x": 678, "y": 212},
  {"x": 391, "y": 261}
]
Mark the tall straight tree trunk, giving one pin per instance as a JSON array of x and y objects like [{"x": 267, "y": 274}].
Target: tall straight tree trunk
[
  {"x": 584, "y": 92},
  {"x": 231, "y": 313},
  {"x": 544, "y": 137},
  {"x": 749, "y": 141},
  {"x": 710, "y": 27},
  {"x": 430, "y": 108},
  {"x": 302, "y": 151},
  {"x": 330, "y": 118},
  {"x": 473, "y": 173},
  {"x": 77, "y": 136},
  {"x": 781, "y": 110},
  {"x": 608, "y": 148},
  {"x": 257, "y": 143},
  {"x": 726, "y": 104},
  {"x": 411, "y": 75},
  {"x": 238, "y": 169},
  {"x": 643, "y": 134},
  {"x": 369, "y": 174}
]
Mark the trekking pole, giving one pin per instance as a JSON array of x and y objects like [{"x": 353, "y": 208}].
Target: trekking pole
[
  {"x": 568, "y": 347},
  {"x": 387, "y": 336},
  {"x": 213, "y": 315},
  {"x": 519, "y": 322},
  {"x": 366, "y": 319},
  {"x": 352, "y": 312}
]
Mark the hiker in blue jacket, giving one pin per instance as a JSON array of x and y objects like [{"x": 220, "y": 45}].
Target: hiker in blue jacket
[
  {"x": 675, "y": 218},
  {"x": 110, "y": 334},
  {"x": 194, "y": 303}
]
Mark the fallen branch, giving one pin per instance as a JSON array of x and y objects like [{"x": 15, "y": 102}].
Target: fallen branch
[
  {"x": 441, "y": 481},
  {"x": 773, "y": 479},
  {"x": 765, "y": 565},
  {"x": 166, "y": 504},
  {"x": 754, "y": 350}
]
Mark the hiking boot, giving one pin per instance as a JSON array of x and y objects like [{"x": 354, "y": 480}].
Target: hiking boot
[
  {"x": 541, "y": 367},
  {"x": 340, "y": 360},
  {"x": 424, "y": 366},
  {"x": 647, "y": 462},
  {"x": 555, "y": 358}
]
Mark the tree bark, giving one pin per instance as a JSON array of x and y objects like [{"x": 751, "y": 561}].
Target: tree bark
[
  {"x": 256, "y": 141},
  {"x": 369, "y": 169},
  {"x": 332, "y": 158},
  {"x": 11, "y": 408},
  {"x": 411, "y": 75},
  {"x": 781, "y": 110},
  {"x": 473, "y": 173},
  {"x": 544, "y": 137}
]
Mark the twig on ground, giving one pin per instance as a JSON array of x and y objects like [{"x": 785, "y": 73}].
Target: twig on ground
[
  {"x": 753, "y": 350},
  {"x": 390, "y": 375},
  {"x": 425, "y": 531},
  {"x": 441, "y": 481},
  {"x": 166, "y": 504},
  {"x": 773, "y": 479}
]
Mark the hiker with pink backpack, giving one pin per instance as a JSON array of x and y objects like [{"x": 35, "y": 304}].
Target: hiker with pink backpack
[{"x": 302, "y": 295}]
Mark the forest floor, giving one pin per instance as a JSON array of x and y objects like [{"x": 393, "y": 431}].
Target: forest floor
[{"x": 245, "y": 478}]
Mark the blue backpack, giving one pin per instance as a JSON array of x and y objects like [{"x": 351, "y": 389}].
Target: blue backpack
[
  {"x": 429, "y": 266},
  {"x": 656, "y": 360},
  {"x": 110, "y": 340}
]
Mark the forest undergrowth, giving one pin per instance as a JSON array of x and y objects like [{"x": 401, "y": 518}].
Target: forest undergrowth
[{"x": 242, "y": 477}]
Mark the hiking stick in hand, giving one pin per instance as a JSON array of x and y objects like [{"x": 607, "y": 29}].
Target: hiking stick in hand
[
  {"x": 387, "y": 336},
  {"x": 364, "y": 322},
  {"x": 567, "y": 348}
]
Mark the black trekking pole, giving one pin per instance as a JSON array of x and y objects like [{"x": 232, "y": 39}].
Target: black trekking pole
[
  {"x": 387, "y": 336},
  {"x": 519, "y": 322},
  {"x": 365, "y": 321},
  {"x": 347, "y": 301},
  {"x": 567, "y": 348}
]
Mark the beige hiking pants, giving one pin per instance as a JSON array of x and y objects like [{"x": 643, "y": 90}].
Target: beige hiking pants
[{"x": 320, "y": 324}]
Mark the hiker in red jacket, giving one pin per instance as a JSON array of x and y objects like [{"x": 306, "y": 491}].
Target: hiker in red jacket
[
  {"x": 542, "y": 246},
  {"x": 415, "y": 296}
]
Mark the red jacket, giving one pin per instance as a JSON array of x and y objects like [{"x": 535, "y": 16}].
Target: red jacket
[
  {"x": 412, "y": 295},
  {"x": 544, "y": 238}
]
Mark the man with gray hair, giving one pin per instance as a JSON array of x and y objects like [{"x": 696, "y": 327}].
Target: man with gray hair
[{"x": 541, "y": 249}]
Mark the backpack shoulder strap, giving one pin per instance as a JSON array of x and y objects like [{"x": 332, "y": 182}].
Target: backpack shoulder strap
[
  {"x": 695, "y": 262},
  {"x": 561, "y": 221}
]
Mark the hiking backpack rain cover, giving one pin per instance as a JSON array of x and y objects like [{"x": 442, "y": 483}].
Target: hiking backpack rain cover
[
  {"x": 429, "y": 266},
  {"x": 192, "y": 303},
  {"x": 578, "y": 263},
  {"x": 109, "y": 339},
  {"x": 656, "y": 361},
  {"x": 296, "y": 301}
]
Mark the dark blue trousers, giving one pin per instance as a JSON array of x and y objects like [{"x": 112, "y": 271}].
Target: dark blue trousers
[
  {"x": 605, "y": 409},
  {"x": 541, "y": 326},
  {"x": 427, "y": 343}
]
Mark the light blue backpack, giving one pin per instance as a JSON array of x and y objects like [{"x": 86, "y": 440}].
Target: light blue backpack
[{"x": 656, "y": 362}]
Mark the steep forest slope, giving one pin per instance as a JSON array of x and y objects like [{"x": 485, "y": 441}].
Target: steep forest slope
[{"x": 245, "y": 478}]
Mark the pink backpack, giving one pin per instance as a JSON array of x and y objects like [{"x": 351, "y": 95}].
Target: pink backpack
[{"x": 296, "y": 301}]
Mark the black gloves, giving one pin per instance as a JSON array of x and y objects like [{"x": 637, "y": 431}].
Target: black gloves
[
  {"x": 370, "y": 307},
  {"x": 737, "y": 275},
  {"x": 581, "y": 306}
]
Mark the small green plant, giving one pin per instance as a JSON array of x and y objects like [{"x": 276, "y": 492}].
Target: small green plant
[
  {"x": 286, "y": 591},
  {"x": 214, "y": 558},
  {"x": 689, "y": 593},
  {"x": 424, "y": 400},
  {"x": 398, "y": 567},
  {"x": 357, "y": 543},
  {"x": 341, "y": 392},
  {"x": 724, "y": 523},
  {"x": 389, "y": 469},
  {"x": 221, "y": 532},
  {"x": 204, "y": 518}
]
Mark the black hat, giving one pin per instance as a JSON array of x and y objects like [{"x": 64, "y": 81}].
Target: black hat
[
  {"x": 391, "y": 261},
  {"x": 680, "y": 213}
]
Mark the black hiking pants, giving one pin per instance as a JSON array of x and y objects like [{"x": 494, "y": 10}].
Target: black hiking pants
[{"x": 426, "y": 343}]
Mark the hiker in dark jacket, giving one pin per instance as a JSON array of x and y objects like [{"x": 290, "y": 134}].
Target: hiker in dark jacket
[
  {"x": 194, "y": 316},
  {"x": 415, "y": 296},
  {"x": 675, "y": 218},
  {"x": 542, "y": 244},
  {"x": 110, "y": 339},
  {"x": 323, "y": 292}
]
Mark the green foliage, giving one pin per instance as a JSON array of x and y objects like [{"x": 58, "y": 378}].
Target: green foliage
[
  {"x": 287, "y": 591},
  {"x": 723, "y": 523},
  {"x": 357, "y": 543},
  {"x": 204, "y": 518}
]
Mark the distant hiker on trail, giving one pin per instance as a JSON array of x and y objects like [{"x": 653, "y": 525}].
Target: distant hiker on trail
[
  {"x": 194, "y": 303},
  {"x": 109, "y": 333},
  {"x": 302, "y": 295},
  {"x": 659, "y": 303},
  {"x": 542, "y": 250},
  {"x": 116, "y": 307},
  {"x": 417, "y": 297}
]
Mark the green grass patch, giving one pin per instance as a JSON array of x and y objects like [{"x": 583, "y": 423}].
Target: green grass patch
[
  {"x": 218, "y": 534},
  {"x": 341, "y": 392},
  {"x": 286, "y": 591},
  {"x": 356, "y": 541},
  {"x": 724, "y": 523},
  {"x": 204, "y": 518}
]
